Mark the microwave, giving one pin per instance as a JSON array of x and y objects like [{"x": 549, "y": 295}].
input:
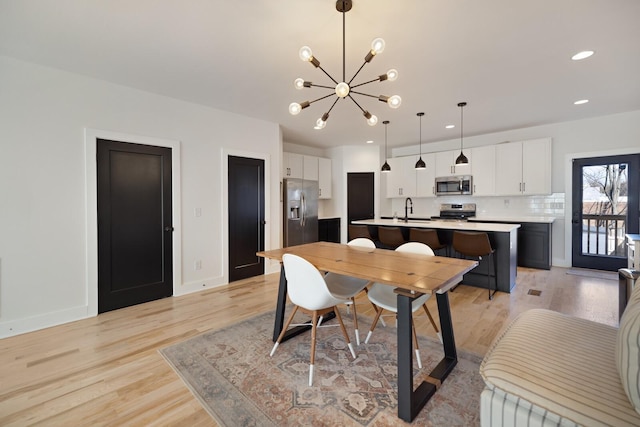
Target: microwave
[{"x": 453, "y": 185}]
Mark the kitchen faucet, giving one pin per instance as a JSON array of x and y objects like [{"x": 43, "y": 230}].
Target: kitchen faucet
[{"x": 410, "y": 202}]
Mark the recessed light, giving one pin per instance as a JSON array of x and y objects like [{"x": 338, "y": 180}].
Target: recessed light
[
  {"x": 369, "y": 142},
  {"x": 582, "y": 55},
  {"x": 450, "y": 126},
  {"x": 580, "y": 102}
]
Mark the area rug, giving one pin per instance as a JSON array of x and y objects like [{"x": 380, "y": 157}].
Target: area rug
[
  {"x": 596, "y": 274},
  {"x": 231, "y": 373}
]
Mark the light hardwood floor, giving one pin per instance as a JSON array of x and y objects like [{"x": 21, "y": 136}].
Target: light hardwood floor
[{"x": 107, "y": 370}]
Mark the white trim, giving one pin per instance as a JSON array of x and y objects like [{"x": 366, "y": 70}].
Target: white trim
[
  {"x": 568, "y": 191},
  {"x": 224, "y": 206},
  {"x": 91, "y": 214}
]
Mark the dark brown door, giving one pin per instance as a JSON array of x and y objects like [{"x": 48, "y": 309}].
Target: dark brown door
[
  {"x": 134, "y": 224},
  {"x": 246, "y": 217},
  {"x": 360, "y": 196}
]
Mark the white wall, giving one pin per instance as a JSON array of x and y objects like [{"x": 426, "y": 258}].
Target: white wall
[{"x": 43, "y": 200}]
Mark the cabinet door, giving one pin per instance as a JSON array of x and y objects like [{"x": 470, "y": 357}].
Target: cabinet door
[
  {"x": 401, "y": 180},
  {"x": 292, "y": 165},
  {"x": 324, "y": 178},
  {"x": 509, "y": 169},
  {"x": 444, "y": 163},
  {"x": 310, "y": 168},
  {"x": 484, "y": 170},
  {"x": 425, "y": 178},
  {"x": 536, "y": 166}
]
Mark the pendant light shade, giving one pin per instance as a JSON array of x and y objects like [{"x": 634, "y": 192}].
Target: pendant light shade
[
  {"x": 462, "y": 159},
  {"x": 385, "y": 166},
  {"x": 420, "y": 163}
]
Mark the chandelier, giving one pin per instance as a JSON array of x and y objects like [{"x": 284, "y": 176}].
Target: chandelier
[{"x": 344, "y": 89}]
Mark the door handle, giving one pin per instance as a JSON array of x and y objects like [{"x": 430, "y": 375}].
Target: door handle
[{"x": 168, "y": 228}]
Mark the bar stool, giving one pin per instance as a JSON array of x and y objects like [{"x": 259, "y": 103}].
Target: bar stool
[
  {"x": 357, "y": 231},
  {"x": 390, "y": 237},
  {"x": 477, "y": 245},
  {"x": 427, "y": 236}
]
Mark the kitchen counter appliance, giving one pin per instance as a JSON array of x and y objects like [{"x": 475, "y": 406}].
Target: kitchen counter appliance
[
  {"x": 450, "y": 185},
  {"x": 456, "y": 212}
]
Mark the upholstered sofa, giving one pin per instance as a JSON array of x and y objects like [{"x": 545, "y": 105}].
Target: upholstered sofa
[{"x": 550, "y": 369}]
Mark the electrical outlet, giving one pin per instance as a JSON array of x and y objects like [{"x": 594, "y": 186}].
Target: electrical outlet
[
  {"x": 197, "y": 265},
  {"x": 197, "y": 212}
]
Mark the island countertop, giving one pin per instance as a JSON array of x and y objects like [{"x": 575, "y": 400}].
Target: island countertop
[{"x": 443, "y": 225}]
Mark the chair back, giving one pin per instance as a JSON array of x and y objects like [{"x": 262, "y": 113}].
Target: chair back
[
  {"x": 416, "y": 248},
  {"x": 390, "y": 236},
  {"x": 356, "y": 231},
  {"x": 472, "y": 244},
  {"x": 427, "y": 236},
  {"x": 305, "y": 285},
  {"x": 362, "y": 242}
]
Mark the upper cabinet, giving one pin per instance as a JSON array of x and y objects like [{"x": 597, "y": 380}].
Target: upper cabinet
[
  {"x": 292, "y": 165},
  {"x": 426, "y": 178},
  {"x": 310, "y": 169},
  {"x": 446, "y": 163},
  {"x": 324, "y": 178},
  {"x": 401, "y": 180},
  {"x": 523, "y": 167},
  {"x": 484, "y": 170}
]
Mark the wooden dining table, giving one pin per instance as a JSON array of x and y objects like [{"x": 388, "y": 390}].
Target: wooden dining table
[{"x": 411, "y": 275}]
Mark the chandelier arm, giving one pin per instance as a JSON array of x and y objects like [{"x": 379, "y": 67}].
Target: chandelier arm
[
  {"x": 355, "y": 102},
  {"x": 364, "y": 94},
  {"x": 328, "y": 75},
  {"x": 322, "y": 86},
  {"x": 357, "y": 72},
  {"x": 333, "y": 105},
  {"x": 344, "y": 49},
  {"x": 365, "y": 83},
  {"x": 321, "y": 98}
]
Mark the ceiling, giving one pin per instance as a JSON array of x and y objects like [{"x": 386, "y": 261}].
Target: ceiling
[{"x": 509, "y": 60}]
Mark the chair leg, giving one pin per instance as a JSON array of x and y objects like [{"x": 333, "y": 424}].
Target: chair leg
[
  {"x": 314, "y": 322},
  {"x": 495, "y": 276},
  {"x": 433, "y": 323},
  {"x": 355, "y": 320},
  {"x": 415, "y": 343},
  {"x": 344, "y": 332},
  {"x": 284, "y": 330},
  {"x": 373, "y": 325}
]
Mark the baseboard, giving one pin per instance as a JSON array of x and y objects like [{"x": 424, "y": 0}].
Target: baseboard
[{"x": 29, "y": 324}]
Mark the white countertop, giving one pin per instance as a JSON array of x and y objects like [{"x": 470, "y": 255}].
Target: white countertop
[
  {"x": 444, "y": 225},
  {"x": 542, "y": 219}
]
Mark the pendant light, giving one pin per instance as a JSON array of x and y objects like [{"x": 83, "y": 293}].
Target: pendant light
[
  {"x": 385, "y": 167},
  {"x": 462, "y": 159},
  {"x": 420, "y": 163}
]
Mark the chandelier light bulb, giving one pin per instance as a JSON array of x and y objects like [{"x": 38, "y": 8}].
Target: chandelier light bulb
[
  {"x": 394, "y": 101},
  {"x": 299, "y": 83},
  {"x": 373, "y": 120},
  {"x": 295, "y": 108},
  {"x": 342, "y": 89},
  {"x": 392, "y": 75},
  {"x": 320, "y": 124},
  {"x": 305, "y": 53},
  {"x": 377, "y": 46}
]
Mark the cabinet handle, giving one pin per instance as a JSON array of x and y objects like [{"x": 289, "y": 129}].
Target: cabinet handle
[
  {"x": 524, "y": 187},
  {"x": 433, "y": 190},
  {"x": 520, "y": 190},
  {"x": 319, "y": 191},
  {"x": 474, "y": 188}
]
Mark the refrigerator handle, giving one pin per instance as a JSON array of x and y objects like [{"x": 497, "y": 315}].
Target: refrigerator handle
[{"x": 303, "y": 206}]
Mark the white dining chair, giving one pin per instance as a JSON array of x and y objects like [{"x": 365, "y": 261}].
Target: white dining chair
[
  {"x": 384, "y": 298},
  {"x": 349, "y": 287},
  {"x": 308, "y": 292}
]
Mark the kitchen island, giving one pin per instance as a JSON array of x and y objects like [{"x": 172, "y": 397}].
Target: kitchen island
[{"x": 503, "y": 237}]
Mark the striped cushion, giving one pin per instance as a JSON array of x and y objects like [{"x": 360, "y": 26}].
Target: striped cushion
[
  {"x": 562, "y": 366},
  {"x": 628, "y": 349}
]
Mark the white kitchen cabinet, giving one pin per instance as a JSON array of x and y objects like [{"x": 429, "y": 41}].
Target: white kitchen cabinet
[
  {"x": 446, "y": 163},
  {"x": 484, "y": 171},
  {"x": 310, "y": 168},
  {"x": 425, "y": 178},
  {"x": 523, "y": 167},
  {"x": 324, "y": 178},
  {"x": 401, "y": 180},
  {"x": 292, "y": 165}
]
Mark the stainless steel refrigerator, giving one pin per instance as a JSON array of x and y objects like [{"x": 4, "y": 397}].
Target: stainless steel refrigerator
[{"x": 300, "y": 202}]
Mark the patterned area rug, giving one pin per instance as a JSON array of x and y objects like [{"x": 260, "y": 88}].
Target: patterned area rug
[{"x": 231, "y": 373}]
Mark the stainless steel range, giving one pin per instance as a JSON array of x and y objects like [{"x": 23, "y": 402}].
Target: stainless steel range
[{"x": 456, "y": 212}]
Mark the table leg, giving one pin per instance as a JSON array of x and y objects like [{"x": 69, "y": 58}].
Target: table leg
[
  {"x": 281, "y": 305},
  {"x": 410, "y": 402}
]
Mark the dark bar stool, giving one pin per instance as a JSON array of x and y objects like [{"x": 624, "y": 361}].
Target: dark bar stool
[
  {"x": 356, "y": 231},
  {"x": 390, "y": 237},
  {"x": 427, "y": 236},
  {"x": 477, "y": 245}
]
